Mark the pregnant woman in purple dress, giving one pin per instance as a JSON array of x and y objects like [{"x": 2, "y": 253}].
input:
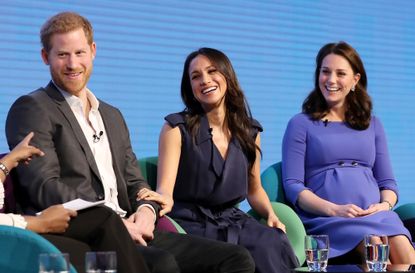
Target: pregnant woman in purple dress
[{"x": 336, "y": 168}]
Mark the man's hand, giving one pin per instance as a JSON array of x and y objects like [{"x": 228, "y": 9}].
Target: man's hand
[
  {"x": 166, "y": 202},
  {"x": 141, "y": 226}
]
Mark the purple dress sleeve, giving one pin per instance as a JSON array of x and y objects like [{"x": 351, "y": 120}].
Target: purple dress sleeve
[
  {"x": 293, "y": 158},
  {"x": 382, "y": 169}
]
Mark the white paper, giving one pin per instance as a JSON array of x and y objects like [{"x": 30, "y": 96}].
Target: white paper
[{"x": 79, "y": 204}]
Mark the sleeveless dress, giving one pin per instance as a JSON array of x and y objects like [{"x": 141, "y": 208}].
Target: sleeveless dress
[
  {"x": 344, "y": 166},
  {"x": 208, "y": 188}
]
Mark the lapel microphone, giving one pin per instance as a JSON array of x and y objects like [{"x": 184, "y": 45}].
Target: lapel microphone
[
  {"x": 97, "y": 137},
  {"x": 326, "y": 121}
]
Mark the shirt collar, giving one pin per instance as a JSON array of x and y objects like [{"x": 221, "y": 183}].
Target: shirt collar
[
  {"x": 205, "y": 132},
  {"x": 75, "y": 101}
]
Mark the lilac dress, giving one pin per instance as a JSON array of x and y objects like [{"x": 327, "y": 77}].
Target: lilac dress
[
  {"x": 343, "y": 166},
  {"x": 207, "y": 191}
]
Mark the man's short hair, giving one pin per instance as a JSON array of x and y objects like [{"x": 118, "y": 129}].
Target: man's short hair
[{"x": 62, "y": 23}]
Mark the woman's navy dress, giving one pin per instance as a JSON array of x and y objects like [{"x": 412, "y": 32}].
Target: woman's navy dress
[
  {"x": 344, "y": 166},
  {"x": 209, "y": 187}
]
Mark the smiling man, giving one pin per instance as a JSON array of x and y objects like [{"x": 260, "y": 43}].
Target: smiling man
[{"x": 88, "y": 155}]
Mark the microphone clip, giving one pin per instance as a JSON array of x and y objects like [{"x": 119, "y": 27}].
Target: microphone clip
[
  {"x": 97, "y": 137},
  {"x": 326, "y": 121}
]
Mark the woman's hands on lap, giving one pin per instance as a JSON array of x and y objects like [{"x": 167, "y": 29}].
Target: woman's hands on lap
[{"x": 351, "y": 210}]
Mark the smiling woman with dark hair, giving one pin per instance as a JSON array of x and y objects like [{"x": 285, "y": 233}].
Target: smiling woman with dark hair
[
  {"x": 336, "y": 167},
  {"x": 209, "y": 158}
]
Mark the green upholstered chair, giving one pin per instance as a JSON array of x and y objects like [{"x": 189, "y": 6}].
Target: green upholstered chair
[
  {"x": 20, "y": 250},
  {"x": 407, "y": 214},
  {"x": 271, "y": 181},
  {"x": 148, "y": 166},
  {"x": 294, "y": 226},
  {"x": 406, "y": 211}
]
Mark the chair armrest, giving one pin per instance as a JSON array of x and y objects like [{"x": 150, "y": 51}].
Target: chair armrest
[
  {"x": 177, "y": 226},
  {"x": 294, "y": 227},
  {"x": 168, "y": 224},
  {"x": 25, "y": 244},
  {"x": 406, "y": 211},
  {"x": 407, "y": 214}
]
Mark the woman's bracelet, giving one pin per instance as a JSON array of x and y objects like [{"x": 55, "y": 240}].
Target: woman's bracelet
[
  {"x": 4, "y": 169},
  {"x": 389, "y": 204}
]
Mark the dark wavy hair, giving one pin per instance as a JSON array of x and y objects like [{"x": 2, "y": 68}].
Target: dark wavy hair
[
  {"x": 358, "y": 103},
  {"x": 238, "y": 114}
]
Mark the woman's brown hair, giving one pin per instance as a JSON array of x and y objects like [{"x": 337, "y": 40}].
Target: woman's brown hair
[
  {"x": 238, "y": 115},
  {"x": 358, "y": 103}
]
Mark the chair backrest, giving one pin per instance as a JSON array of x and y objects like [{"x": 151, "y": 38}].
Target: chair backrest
[
  {"x": 148, "y": 167},
  {"x": 406, "y": 211},
  {"x": 271, "y": 179},
  {"x": 407, "y": 214},
  {"x": 20, "y": 250}
]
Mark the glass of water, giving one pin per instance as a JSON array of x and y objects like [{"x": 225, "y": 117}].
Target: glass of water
[
  {"x": 376, "y": 252},
  {"x": 317, "y": 252},
  {"x": 101, "y": 262},
  {"x": 53, "y": 263}
]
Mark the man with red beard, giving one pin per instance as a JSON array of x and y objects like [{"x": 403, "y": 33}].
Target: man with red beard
[{"x": 88, "y": 155}]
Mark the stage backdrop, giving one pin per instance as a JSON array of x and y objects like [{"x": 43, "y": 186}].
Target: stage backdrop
[{"x": 141, "y": 47}]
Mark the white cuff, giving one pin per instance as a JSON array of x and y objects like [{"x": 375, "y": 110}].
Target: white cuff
[
  {"x": 1, "y": 194},
  {"x": 150, "y": 207},
  {"x": 13, "y": 220}
]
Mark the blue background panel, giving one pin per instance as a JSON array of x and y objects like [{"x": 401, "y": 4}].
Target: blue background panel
[{"x": 142, "y": 45}]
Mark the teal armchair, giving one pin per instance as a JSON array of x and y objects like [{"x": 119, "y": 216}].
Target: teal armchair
[
  {"x": 26, "y": 245},
  {"x": 271, "y": 181},
  {"x": 407, "y": 214}
]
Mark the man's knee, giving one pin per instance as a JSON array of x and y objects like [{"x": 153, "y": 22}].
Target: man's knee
[
  {"x": 240, "y": 260},
  {"x": 165, "y": 263}
]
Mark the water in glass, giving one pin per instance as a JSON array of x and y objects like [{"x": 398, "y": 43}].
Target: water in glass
[
  {"x": 377, "y": 257},
  {"x": 317, "y": 259}
]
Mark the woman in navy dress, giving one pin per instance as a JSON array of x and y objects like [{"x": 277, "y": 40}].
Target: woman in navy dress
[
  {"x": 209, "y": 158},
  {"x": 336, "y": 167}
]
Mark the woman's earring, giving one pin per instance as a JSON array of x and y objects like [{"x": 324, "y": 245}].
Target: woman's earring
[{"x": 353, "y": 88}]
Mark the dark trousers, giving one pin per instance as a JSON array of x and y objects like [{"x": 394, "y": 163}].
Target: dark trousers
[
  {"x": 173, "y": 252},
  {"x": 99, "y": 229}
]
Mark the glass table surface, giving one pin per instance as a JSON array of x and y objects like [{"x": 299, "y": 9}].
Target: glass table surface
[{"x": 361, "y": 268}]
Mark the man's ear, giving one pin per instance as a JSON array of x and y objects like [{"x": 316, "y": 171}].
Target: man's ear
[
  {"x": 93, "y": 50},
  {"x": 44, "y": 55}
]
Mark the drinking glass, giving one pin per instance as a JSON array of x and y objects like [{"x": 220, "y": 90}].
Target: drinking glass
[
  {"x": 317, "y": 252},
  {"x": 54, "y": 263},
  {"x": 101, "y": 262},
  {"x": 376, "y": 252}
]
